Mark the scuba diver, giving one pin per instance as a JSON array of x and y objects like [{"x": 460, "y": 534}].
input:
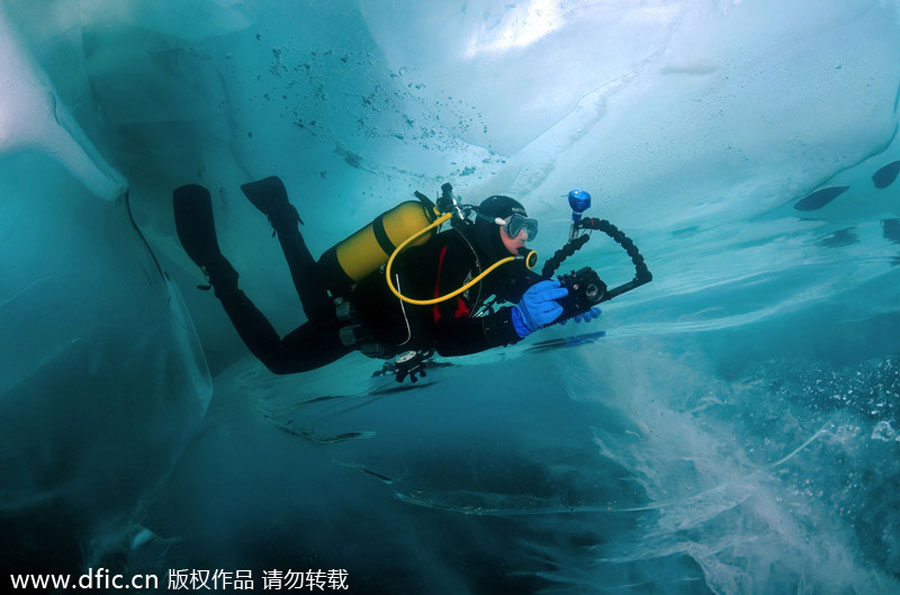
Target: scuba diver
[{"x": 355, "y": 297}]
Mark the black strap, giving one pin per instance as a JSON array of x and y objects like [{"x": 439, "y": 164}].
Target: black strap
[
  {"x": 427, "y": 203},
  {"x": 381, "y": 235}
]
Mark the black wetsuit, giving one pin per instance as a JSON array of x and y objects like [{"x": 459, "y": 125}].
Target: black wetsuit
[
  {"x": 442, "y": 265},
  {"x": 445, "y": 263}
]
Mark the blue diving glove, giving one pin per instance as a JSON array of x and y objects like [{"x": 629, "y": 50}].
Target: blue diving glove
[
  {"x": 538, "y": 307},
  {"x": 585, "y": 316}
]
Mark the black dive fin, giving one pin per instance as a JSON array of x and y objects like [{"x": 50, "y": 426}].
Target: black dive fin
[{"x": 270, "y": 196}]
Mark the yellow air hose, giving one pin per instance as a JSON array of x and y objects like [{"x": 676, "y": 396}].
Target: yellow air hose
[{"x": 530, "y": 260}]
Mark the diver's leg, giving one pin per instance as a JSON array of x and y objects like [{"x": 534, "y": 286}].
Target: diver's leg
[
  {"x": 196, "y": 230},
  {"x": 305, "y": 273},
  {"x": 308, "y": 347},
  {"x": 270, "y": 197}
]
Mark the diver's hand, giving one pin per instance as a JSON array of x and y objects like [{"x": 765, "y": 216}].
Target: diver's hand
[
  {"x": 538, "y": 307},
  {"x": 585, "y": 316}
]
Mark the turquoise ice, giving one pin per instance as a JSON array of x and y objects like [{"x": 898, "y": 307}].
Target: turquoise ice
[{"x": 736, "y": 430}]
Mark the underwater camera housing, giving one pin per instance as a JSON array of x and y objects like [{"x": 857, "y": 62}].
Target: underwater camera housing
[{"x": 586, "y": 289}]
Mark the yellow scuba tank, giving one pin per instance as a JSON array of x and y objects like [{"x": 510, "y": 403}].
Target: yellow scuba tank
[{"x": 367, "y": 250}]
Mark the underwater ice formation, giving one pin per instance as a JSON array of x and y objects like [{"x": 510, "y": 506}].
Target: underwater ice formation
[
  {"x": 688, "y": 449},
  {"x": 103, "y": 380}
]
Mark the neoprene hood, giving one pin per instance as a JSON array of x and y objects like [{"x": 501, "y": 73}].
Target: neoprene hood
[{"x": 486, "y": 232}]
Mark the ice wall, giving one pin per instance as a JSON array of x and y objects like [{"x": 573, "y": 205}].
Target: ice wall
[
  {"x": 697, "y": 125},
  {"x": 34, "y": 118},
  {"x": 102, "y": 379}
]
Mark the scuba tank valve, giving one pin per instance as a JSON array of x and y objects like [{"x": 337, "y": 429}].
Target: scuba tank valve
[{"x": 447, "y": 203}]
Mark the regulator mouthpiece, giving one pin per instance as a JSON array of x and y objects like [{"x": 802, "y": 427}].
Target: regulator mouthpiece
[{"x": 529, "y": 256}]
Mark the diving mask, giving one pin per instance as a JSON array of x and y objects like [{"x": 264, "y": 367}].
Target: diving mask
[{"x": 514, "y": 224}]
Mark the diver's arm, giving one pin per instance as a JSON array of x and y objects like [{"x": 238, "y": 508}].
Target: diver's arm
[
  {"x": 463, "y": 336},
  {"x": 539, "y": 307}
]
